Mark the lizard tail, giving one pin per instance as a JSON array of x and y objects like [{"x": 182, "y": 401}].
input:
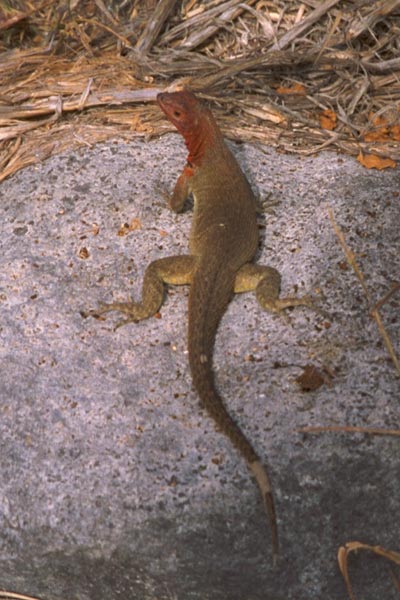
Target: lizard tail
[
  {"x": 209, "y": 295},
  {"x": 264, "y": 484}
]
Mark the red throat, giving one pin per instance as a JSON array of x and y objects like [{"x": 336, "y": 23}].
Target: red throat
[{"x": 193, "y": 121}]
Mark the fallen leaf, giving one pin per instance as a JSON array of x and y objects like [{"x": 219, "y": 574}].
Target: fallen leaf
[
  {"x": 135, "y": 224},
  {"x": 395, "y": 133},
  {"x": 372, "y": 161},
  {"x": 123, "y": 230},
  {"x": 83, "y": 253},
  {"x": 328, "y": 119},
  {"x": 311, "y": 379},
  {"x": 296, "y": 88},
  {"x": 386, "y": 128},
  {"x": 381, "y": 135},
  {"x": 378, "y": 120}
]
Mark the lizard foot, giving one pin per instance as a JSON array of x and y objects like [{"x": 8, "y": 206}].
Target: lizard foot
[
  {"x": 281, "y": 304},
  {"x": 307, "y": 300},
  {"x": 278, "y": 305},
  {"x": 134, "y": 310}
]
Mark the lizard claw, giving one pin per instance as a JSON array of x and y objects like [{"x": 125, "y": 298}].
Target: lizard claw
[
  {"x": 123, "y": 322},
  {"x": 94, "y": 312}
]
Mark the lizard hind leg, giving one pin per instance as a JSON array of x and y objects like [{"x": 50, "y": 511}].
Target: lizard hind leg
[
  {"x": 266, "y": 282},
  {"x": 175, "y": 270}
]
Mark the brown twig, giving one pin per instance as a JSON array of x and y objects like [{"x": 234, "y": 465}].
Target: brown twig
[
  {"x": 154, "y": 26},
  {"x": 13, "y": 596},
  {"x": 349, "y": 547},
  {"x": 350, "y": 257},
  {"x": 303, "y": 25},
  {"x": 349, "y": 429},
  {"x": 202, "y": 27}
]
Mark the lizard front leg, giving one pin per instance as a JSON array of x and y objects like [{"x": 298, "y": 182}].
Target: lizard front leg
[
  {"x": 266, "y": 282},
  {"x": 181, "y": 190},
  {"x": 176, "y": 201},
  {"x": 176, "y": 270}
]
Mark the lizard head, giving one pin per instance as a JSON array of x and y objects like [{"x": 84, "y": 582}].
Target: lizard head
[
  {"x": 194, "y": 122},
  {"x": 182, "y": 109}
]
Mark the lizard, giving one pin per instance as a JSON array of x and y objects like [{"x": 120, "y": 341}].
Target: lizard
[{"x": 223, "y": 242}]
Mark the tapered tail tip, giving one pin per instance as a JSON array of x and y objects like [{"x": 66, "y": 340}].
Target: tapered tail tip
[{"x": 264, "y": 484}]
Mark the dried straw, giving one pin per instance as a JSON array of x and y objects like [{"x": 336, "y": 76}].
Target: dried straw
[{"x": 80, "y": 72}]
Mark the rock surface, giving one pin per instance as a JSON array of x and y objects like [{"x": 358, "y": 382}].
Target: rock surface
[{"x": 114, "y": 483}]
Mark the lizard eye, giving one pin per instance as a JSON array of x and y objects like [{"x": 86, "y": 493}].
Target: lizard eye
[{"x": 177, "y": 113}]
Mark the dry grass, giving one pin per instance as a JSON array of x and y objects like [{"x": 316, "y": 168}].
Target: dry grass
[
  {"x": 297, "y": 75},
  {"x": 343, "y": 554}
]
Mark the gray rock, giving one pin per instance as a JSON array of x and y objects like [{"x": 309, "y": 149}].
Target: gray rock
[{"x": 114, "y": 483}]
